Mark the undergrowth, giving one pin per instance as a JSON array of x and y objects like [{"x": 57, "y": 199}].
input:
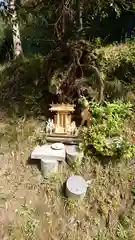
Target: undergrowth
[
  {"x": 107, "y": 134},
  {"x": 24, "y": 89}
]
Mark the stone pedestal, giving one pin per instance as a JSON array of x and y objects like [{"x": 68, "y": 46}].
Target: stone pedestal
[
  {"x": 73, "y": 154},
  {"x": 76, "y": 187},
  {"x": 49, "y": 158},
  {"x": 48, "y": 167}
]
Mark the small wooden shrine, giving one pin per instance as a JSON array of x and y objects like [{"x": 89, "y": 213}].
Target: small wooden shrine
[
  {"x": 61, "y": 128},
  {"x": 62, "y": 119}
]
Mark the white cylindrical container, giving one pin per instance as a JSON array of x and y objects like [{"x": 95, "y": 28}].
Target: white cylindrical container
[
  {"x": 48, "y": 167},
  {"x": 76, "y": 187}
]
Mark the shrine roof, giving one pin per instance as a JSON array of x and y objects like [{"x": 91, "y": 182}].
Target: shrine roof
[{"x": 62, "y": 107}]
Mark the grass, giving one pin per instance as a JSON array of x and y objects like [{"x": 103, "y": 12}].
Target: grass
[{"x": 32, "y": 208}]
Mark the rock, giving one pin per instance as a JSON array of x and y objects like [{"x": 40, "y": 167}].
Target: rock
[
  {"x": 117, "y": 141},
  {"x": 76, "y": 187}
]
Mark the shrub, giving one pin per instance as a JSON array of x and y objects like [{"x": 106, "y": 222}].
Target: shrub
[
  {"x": 106, "y": 135},
  {"x": 117, "y": 67},
  {"x": 114, "y": 57}
]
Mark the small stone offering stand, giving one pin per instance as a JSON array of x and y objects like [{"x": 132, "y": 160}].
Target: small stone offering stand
[{"x": 61, "y": 132}]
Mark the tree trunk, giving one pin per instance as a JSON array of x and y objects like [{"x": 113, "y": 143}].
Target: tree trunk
[
  {"x": 79, "y": 19},
  {"x": 15, "y": 29}
]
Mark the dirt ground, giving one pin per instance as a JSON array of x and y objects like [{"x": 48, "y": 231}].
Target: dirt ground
[{"x": 32, "y": 208}]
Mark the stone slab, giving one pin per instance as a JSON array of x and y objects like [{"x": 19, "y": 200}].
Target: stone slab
[
  {"x": 68, "y": 140},
  {"x": 46, "y": 152},
  {"x": 62, "y": 135}
]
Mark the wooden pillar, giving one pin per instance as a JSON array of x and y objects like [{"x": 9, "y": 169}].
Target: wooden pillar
[
  {"x": 69, "y": 117},
  {"x": 66, "y": 122},
  {"x": 58, "y": 120},
  {"x": 61, "y": 118},
  {"x": 55, "y": 120}
]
